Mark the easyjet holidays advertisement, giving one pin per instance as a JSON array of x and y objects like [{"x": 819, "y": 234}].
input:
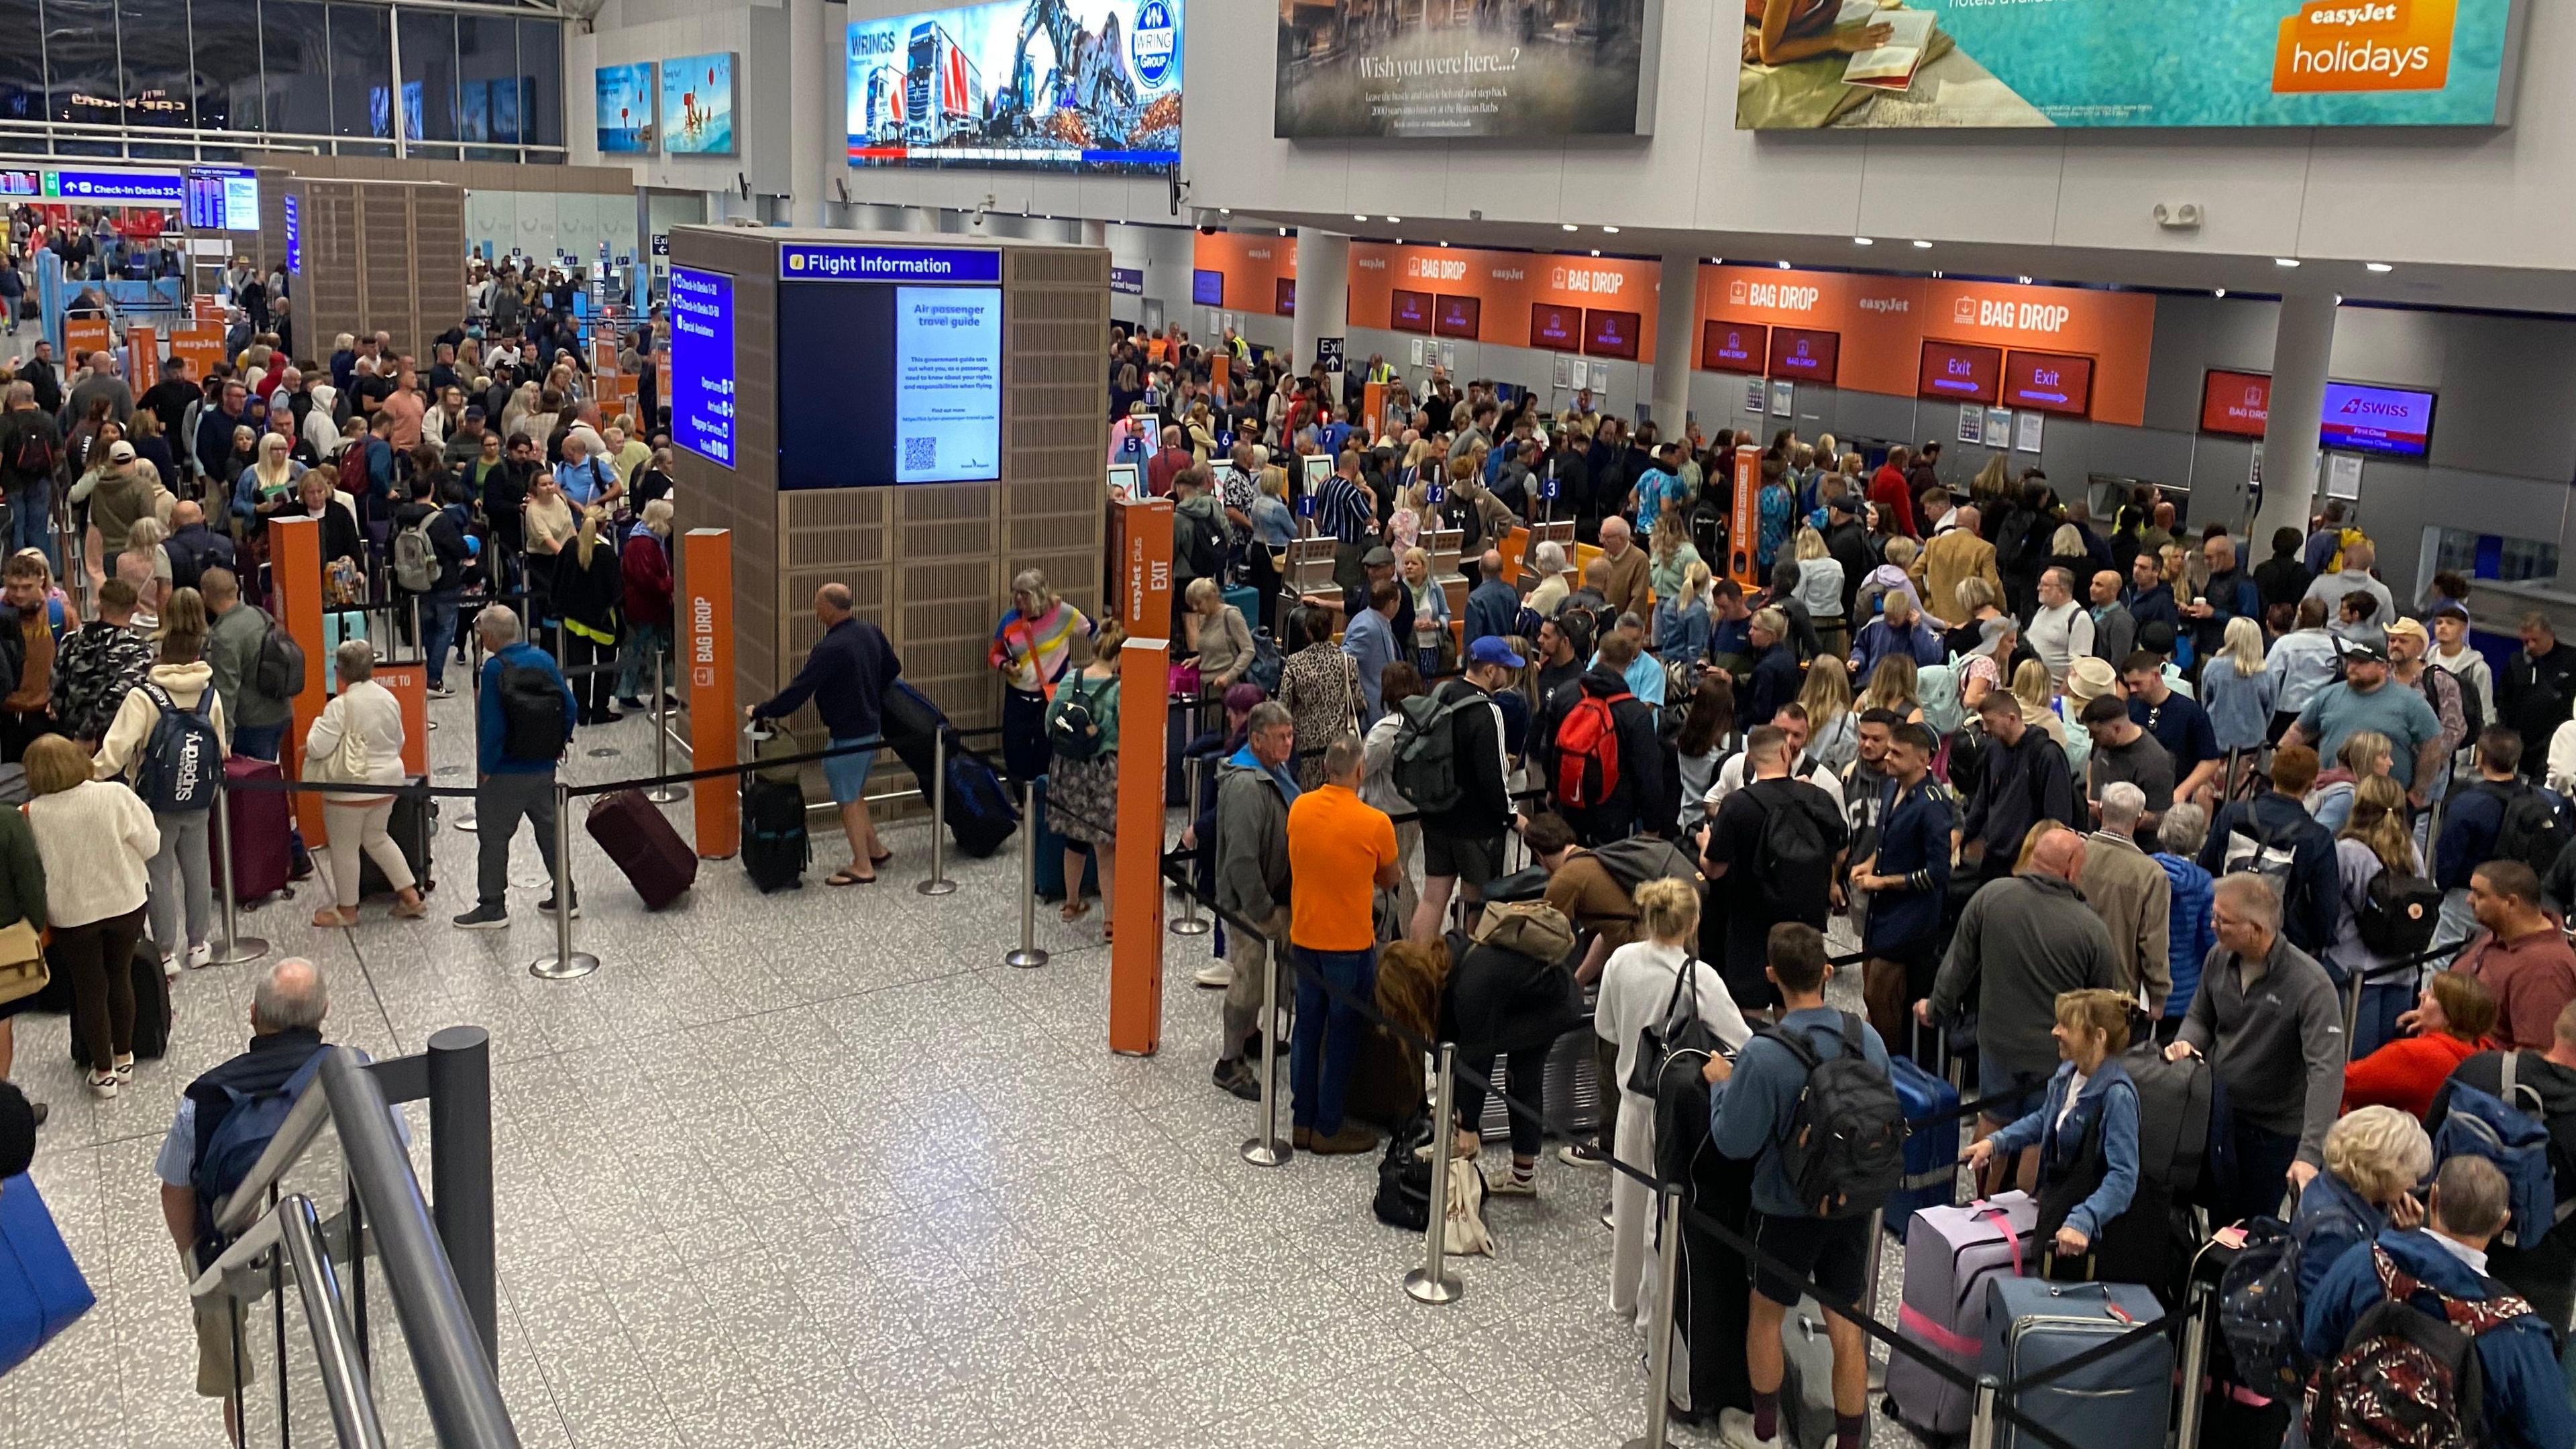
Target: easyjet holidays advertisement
[{"x": 1809, "y": 64}]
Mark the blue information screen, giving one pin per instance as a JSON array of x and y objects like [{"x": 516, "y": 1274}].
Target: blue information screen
[
  {"x": 702, "y": 363},
  {"x": 164, "y": 188},
  {"x": 825, "y": 262}
]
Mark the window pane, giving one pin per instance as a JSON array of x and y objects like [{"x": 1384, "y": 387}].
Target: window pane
[
  {"x": 362, "y": 70},
  {"x": 487, "y": 56},
  {"x": 225, "y": 34},
  {"x": 541, "y": 82},
  {"x": 295, "y": 66},
  {"x": 429, "y": 73},
  {"x": 22, "y": 66},
  {"x": 159, "y": 90},
  {"x": 80, "y": 61}
]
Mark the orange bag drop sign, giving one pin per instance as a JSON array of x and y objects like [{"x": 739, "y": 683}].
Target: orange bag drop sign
[
  {"x": 143, "y": 353},
  {"x": 85, "y": 335},
  {"x": 202, "y": 344},
  {"x": 1744, "y": 522},
  {"x": 1145, "y": 610},
  {"x": 409, "y": 685},
  {"x": 706, "y": 570},
  {"x": 2365, "y": 45}
]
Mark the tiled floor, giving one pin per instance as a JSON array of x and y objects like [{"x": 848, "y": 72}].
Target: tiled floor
[{"x": 817, "y": 1169}]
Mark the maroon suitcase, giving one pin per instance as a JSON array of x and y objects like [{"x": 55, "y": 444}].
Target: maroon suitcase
[
  {"x": 262, "y": 824},
  {"x": 633, "y": 831}
]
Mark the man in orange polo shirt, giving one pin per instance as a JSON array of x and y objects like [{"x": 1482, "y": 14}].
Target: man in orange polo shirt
[{"x": 1341, "y": 850}]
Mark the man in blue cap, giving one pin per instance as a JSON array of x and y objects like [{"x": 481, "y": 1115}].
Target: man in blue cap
[{"x": 1462, "y": 843}]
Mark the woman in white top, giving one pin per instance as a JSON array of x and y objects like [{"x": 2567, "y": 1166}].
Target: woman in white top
[
  {"x": 1549, "y": 561},
  {"x": 94, "y": 837},
  {"x": 1638, "y": 982},
  {"x": 1820, "y": 588},
  {"x": 181, "y": 882},
  {"x": 358, "y": 740}
]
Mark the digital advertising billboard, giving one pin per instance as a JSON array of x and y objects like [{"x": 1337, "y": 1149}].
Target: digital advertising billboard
[
  {"x": 626, "y": 94},
  {"x": 2366, "y": 419},
  {"x": 2104, "y": 63},
  {"x": 697, "y": 105},
  {"x": 1088, "y": 85},
  {"x": 1358, "y": 68}
]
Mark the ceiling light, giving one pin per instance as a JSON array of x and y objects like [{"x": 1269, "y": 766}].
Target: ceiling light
[
  {"x": 2025, "y": 281},
  {"x": 2285, "y": 261},
  {"x": 1443, "y": 244},
  {"x": 1221, "y": 211},
  {"x": 1864, "y": 241},
  {"x": 1717, "y": 261},
  {"x": 1357, "y": 216},
  {"x": 1596, "y": 251},
  {"x": 1397, "y": 220},
  {"x": 1399, "y": 241},
  {"x": 1922, "y": 245},
  {"x": 1784, "y": 266},
  {"x": 1612, "y": 230},
  {"x": 1570, "y": 226},
  {"x": 1283, "y": 231},
  {"x": 2221, "y": 292},
  {"x": 2379, "y": 266}
]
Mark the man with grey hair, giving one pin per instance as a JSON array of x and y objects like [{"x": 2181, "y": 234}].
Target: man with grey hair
[
  {"x": 523, "y": 720},
  {"x": 2130, "y": 893},
  {"x": 2270, "y": 1023},
  {"x": 1255, "y": 787}
]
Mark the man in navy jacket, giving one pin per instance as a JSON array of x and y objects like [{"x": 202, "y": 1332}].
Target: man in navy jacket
[{"x": 511, "y": 783}]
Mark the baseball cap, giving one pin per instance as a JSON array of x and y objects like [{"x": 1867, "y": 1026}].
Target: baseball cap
[
  {"x": 2364, "y": 649},
  {"x": 1492, "y": 649},
  {"x": 1379, "y": 557},
  {"x": 120, "y": 451}
]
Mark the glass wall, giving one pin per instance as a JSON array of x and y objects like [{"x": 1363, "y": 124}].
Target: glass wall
[{"x": 174, "y": 79}]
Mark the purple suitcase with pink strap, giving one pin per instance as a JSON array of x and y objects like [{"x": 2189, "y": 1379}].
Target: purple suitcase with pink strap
[{"x": 1950, "y": 1253}]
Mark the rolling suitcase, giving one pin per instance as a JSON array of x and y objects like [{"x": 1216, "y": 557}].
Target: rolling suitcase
[
  {"x": 42, "y": 1291},
  {"x": 1950, "y": 1253},
  {"x": 981, "y": 816},
  {"x": 1050, "y": 863},
  {"x": 2124, "y": 1401},
  {"x": 639, "y": 838},
  {"x": 1807, "y": 1378},
  {"x": 2231, "y": 1413},
  {"x": 261, "y": 831},
  {"x": 775, "y": 851},
  {"x": 414, "y": 820},
  {"x": 1931, "y": 1150},
  {"x": 1710, "y": 1292}
]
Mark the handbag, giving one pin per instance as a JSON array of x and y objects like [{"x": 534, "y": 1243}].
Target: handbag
[
  {"x": 42, "y": 1291},
  {"x": 1666, "y": 1035},
  {"x": 23, "y": 972}
]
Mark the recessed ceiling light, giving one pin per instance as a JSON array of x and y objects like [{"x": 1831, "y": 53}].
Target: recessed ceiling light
[
  {"x": 1612, "y": 230},
  {"x": 1570, "y": 226},
  {"x": 1444, "y": 244},
  {"x": 1717, "y": 261},
  {"x": 2285, "y": 261},
  {"x": 2025, "y": 281},
  {"x": 1864, "y": 241},
  {"x": 1356, "y": 216},
  {"x": 1596, "y": 251},
  {"x": 1784, "y": 266},
  {"x": 1397, "y": 220},
  {"x": 1221, "y": 211},
  {"x": 1283, "y": 231},
  {"x": 1922, "y": 245},
  {"x": 2379, "y": 266},
  {"x": 2221, "y": 292},
  {"x": 1399, "y": 241}
]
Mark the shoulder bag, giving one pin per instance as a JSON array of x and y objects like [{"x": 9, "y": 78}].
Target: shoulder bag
[{"x": 1676, "y": 1028}]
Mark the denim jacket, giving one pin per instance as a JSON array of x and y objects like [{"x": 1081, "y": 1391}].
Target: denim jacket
[{"x": 2108, "y": 1094}]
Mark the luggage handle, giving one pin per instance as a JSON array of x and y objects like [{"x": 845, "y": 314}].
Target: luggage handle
[{"x": 1987, "y": 1212}]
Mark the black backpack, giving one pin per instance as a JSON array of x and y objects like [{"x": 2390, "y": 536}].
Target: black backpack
[
  {"x": 2531, "y": 830},
  {"x": 1797, "y": 855},
  {"x": 1202, "y": 549},
  {"x": 31, "y": 453},
  {"x": 532, "y": 713},
  {"x": 1403, "y": 1198},
  {"x": 278, "y": 671},
  {"x": 1843, "y": 1146},
  {"x": 1425, "y": 770},
  {"x": 1073, "y": 721},
  {"x": 2398, "y": 914}
]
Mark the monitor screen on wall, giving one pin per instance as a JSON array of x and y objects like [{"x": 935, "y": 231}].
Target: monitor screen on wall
[
  {"x": 1735, "y": 347},
  {"x": 1961, "y": 373},
  {"x": 626, "y": 96},
  {"x": 697, "y": 105},
  {"x": 702, "y": 363},
  {"x": 2368, "y": 419},
  {"x": 1806, "y": 354},
  {"x": 1610, "y": 334},
  {"x": 1458, "y": 317},
  {"x": 2051, "y": 382},
  {"x": 2235, "y": 402},
  {"x": 889, "y": 365},
  {"x": 2098, "y": 64},
  {"x": 1408, "y": 311},
  {"x": 1556, "y": 326},
  {"x": 1286, "y": 302},
  {"x": 1449, "y": 71},
  {"x": 1207, "y": 287},
  {"x": 1071, "y": 85}
]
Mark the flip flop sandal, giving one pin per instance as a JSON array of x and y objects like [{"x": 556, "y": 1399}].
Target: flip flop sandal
[{"x": 844, "y": 878}]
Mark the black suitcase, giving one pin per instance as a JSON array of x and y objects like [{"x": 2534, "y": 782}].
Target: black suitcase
[
  {"x": 980, "y": 813},
  {"x": 775, "y": 851},
  {"x": 1710, "y": 1318},
  {"x": 414, "y": 821},
  {"x": 639, "y": 838},
  {"x": 152, "y": 1011},
  {"x": 911, "y": 725}
]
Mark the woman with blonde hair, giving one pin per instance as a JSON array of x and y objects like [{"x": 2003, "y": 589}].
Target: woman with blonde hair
[
  {"x": 2037, "y": 691},
  {"x": 2374, "y": 1157},
  {"x": 1820, "y": 588},
  {"x": 96, "y": 840},
  {"x": 179, "y": 679},
  {"x": 589, "y": 587},
  {"x": 2237, "y": 690},
  {"x": 2090, "y": 1115},
  {"x": 2373, "y": 842},
  {"x": 2363, "y": 754},
  {"x": 1892, "y": 686},
  {"x": 1641, "y": 986},
  {"x": 1681, "y": 618},
  {"x": 1434, "y": 651},
  {"x": 358, "y": 740},
  {"x": 1033, "y": 649},
  {"x": 1671, "y": 555},
  {"x": 1083, "y": 794},
  {"x": 1833, "y": 732}
]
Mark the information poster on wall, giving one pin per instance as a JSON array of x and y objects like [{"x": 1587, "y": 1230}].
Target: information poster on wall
[
  {"x": 1999, "y": 427},
  {"x": 1972, "y": 423},
  {"x": 2107, "y": 63},
  {"x": 1091, "y": 85},
  {"x": 702, "y": 364},
  {"x": 2027, "y": 426},
  {"x": 1784, "y": 398},
  {"x": 1753, "y": 396},
  {"x": 1462, "y": 70},
  {"x": 2343, "y": 475},
  {"x": 948, "y": 383},
  {"x": 697, "y": 105}
]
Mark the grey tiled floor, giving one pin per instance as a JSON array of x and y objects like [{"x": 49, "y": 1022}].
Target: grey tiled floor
[{"x": 816, "y": 1169}]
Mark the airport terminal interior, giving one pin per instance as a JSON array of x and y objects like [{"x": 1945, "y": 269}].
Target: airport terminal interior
[{"x": 2022, "y": 557}]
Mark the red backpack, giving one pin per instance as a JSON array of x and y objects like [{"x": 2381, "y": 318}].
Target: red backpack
[{"x": 1587, "y": 752}]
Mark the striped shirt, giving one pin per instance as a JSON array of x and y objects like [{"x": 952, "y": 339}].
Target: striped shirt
[{"x": 1343, "y": 511}]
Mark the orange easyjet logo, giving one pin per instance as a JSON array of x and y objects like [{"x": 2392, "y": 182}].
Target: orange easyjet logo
[{"x": 2365, "y": 45}]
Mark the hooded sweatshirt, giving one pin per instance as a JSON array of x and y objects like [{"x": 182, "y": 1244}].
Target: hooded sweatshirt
[
  {"x": 319, "y": 429},
  {"x": 128, "y": 735}
]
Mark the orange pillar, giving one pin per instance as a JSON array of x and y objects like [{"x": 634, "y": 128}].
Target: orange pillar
[
  {"x": 1744, "y": 522},
  {"x": 143, "y": 359},
  {"x": 706, "y": 568},
  {"x": 409, "y": 684},
  {"x": 295, "y": 576},
  {"x": 1144, "y": 579}
]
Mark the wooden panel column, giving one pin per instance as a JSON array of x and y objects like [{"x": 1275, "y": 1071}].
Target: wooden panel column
[
  {"x": 295, "y": 577},
  {"x": 1145, "y": 610}
]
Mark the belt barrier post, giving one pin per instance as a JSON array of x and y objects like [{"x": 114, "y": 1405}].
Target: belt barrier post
[
  {"x": 939, "y": 884},
  {"x": 1269, "y": 1149},
  {"x": 1433, "y": 1282},
  {"x": 237, "y": 948},
  {"x": 460, "y": 1169},
  {"x": 1191, "y": 923},
  {"x": 1659, "y": 1348},
  {"x": 566, "y": 962},
  {"x": 2195, "y": 1354},
  {"x": 1983, "y": 1421},
  {"x": 1032, "y": 799},
  {"x": 661, "y": 716}
]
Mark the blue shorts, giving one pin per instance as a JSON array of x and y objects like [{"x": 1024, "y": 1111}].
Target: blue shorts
[
  {"x": 848, "y": 774},
  {"x": 1994, "y": 1079}
]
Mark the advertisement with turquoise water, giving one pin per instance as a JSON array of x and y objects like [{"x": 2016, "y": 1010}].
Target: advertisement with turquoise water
[
  {"x": 1809, "y": 64},
  {"x": 626, "y": 108},
  {"x": 1087, "y": 85},
  {"x": 697, "y": 105}
]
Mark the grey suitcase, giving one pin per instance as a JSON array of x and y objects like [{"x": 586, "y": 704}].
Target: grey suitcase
[
  {"x": 1807, "y": 1383},
  {"x": 1950, "y": 1253},
  {"x": 2122, "y": 1402}
]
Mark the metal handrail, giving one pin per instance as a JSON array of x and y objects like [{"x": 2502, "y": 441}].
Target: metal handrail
[{"x": 292, "y": 1227}]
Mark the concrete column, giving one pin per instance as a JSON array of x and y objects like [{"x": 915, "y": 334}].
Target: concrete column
[
  {"x": 1094, "y": 233},
  {"x": 1323, "y": 298},
  {"x": 1676, "y": 340},
  {"x": 815, "y": 153},
  {"x": 2302, "y": 345}
]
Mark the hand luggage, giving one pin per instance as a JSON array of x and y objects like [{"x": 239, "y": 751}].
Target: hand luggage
[
  {"x": 1710, "y": 1303},
  {"x": 1931, "y": 1150},
  {"x": 639, "y": 838},
  {"x": 911, "y": 725},
  {"x": 1950, "y": 1253},
  {"x": 2121, "y": 1402},
  {"x": 2232, "y": 1414},
  {"x": 152, "y": 1011},
  {"x": 774, "y": 849},
  {"x": 981, "y": 816},
  {"x": 41, "y": 1289},
  {"x": 413, "y": 822},
  {"x": 261, "y": 831},
  {"x": 1807, "y": 1378}
]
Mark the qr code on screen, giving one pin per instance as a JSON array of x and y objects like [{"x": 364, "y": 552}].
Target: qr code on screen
[{"x": 920, "y": 453}]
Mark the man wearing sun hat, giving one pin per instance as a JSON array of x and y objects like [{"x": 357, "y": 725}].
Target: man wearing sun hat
[{"x": 2086, "y": 681}]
